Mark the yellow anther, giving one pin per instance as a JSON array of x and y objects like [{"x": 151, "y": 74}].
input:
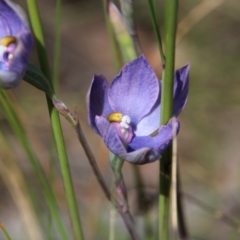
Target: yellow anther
[
  {"x": 115, "y": 117},
  {"x": 6, "y": 41}
]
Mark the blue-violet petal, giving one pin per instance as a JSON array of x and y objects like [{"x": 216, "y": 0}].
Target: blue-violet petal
[
  {"x": 134, "y": 90},
  {"x": 97, "y": 100},
  {"x": 115, "y": 145},
  {"x": 14, "y": 53},
  {"x": 159, "y": 142},
  {"x": 181, "y": 85}
]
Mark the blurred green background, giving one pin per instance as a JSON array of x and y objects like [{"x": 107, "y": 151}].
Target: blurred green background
[{"x": 209, "y": 140}]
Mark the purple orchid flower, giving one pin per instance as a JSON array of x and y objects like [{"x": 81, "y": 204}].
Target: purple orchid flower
[
  {"x": 126, "y": 113},
  {"x": 15, "y": 43}
]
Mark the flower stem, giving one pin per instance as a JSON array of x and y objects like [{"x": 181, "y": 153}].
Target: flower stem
[
  {"x": 57, "y": 45},
  {"x": 171, "y": 7},
  {"x": 56, "y": 126},
  {"x": 156, "y": 29},
  {"x": 121, "y": 54},
  {"x": 74, "y": 121},
  {"x": 5, "y": 231},
  {"x": 183, "y": 232},
  {"x": 125, "y": 215},
  {"x": 92, "y": 160}
]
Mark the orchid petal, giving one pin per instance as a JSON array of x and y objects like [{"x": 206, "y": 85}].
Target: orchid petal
[
  {"x": 115, "y": 145},
  {"x": 97, "y": 101},
  {"x": 13, "y": 55},
  {"x": 181, "y": 84},
  {"x": 12, "y": 20},
  {"x": 135, "y": 93},
  {"x": 134, "y": 90},
  {"x": 149, "y": 123},
  {"x": 159, "y": 142},
  {"x": 110, "y": 136}
]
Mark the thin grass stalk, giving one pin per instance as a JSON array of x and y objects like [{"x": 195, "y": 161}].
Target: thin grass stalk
[
  {"x": 117, "y": 57},
  {"x": 17, "y": 127},
  {"x": 15, "y": 182},
  {"x": 55, "y": 79},
  {"x": 5, "y": 232},
  {"x": 20, "y": 189},
  {"x": 112, "y": 223},
  {"x": 156, "y": 29},
  {"x": 174, "y": 196},
  {"x": 193, "y": 17},
  {"x": 57, "y": 46},
  {"x": 141, "y": 198},
  {"x": 56, "y": 126},
  {"x": 183, "y": 231},
  {"x": 171, "y": 7},
  {"x": 148, "y": 228},
  {"x": 217, "y": 214}
]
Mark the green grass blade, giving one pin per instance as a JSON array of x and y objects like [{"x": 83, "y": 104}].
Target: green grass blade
[
  {"x": 156, "y": 29},
  {"x": 19, "y": 131},
  {"x": 56, "y": 126},
  {"x": 5, "y": 232},
  {"x": 57, "y": 46}
]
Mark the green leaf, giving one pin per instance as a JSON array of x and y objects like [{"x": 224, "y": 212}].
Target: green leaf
[{"x": 36, "y": 78}]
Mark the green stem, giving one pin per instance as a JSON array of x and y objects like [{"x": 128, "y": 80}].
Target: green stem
[
  {"x": 168, "y": 81},
  {"x": 5, "y": 232},
  {"x": 57, "y": 45},
  {"x": 55, "y": 79},
  {"x": 156, "y": 29},
  {"x": 17, "y": 127},
  {"x": 57, "y": 130},
  {"x": 125, "y": 215},
  {"x": 171, "y": 7},
  {"x": 112, "y": 223},
  {"x": 115, "y": 162}
]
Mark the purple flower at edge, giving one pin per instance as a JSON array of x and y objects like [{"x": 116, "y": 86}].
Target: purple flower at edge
[
  {"x": 126, "y": 112},
  {"x": 15, "y": 43}
]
